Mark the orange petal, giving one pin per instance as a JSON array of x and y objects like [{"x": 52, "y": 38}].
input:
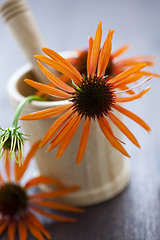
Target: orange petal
[
  {"x": 64, "y": 78},
  {"x": 127, "y": 90},
  {"x": 107, "y": 125},
  {"x": 46, "y": 113},
  {"x": 105, "y": 54},
  {"x": 134, "y": 97},
  {"x": 132, "y": 116},
  {"x": 64, "y": 130},
  {"x": 150, "y": 73},
  {"x": 53, "y": 216},
  {"x": 133, "y": 61},
  {"x": 84, "y": 139},
  {"x": 135, "y": 86},
  {"x": 36, "y": 223},
  {"x": 22, "y": 230},
  {"x": 34, "y": 231},
  {"x": 89, "y": 54},
  {"x": 95, "y": 50},
  {"x": 55, "y": 80},
  {"x": 19, "y": 171},
  {"x": 60, "y": 67},
  {"x": 47, "y": 89},
  {"x": 42, "y": 180},
  {"x": 3, "y": 227},
  {"x": 55, "y": 56},
  {"x": 105, "y": 122},
  {"x": 56, "y": 193},
  {"x": 11, "y": 230},
  {"x": 1, "y": 180},
  {"x": 55, "y": 126},
  {"x": 119, "y": 51},
  {"x": 67, "y": 139},
  {"x": 57, "y": 206},
  {"x": 111, "y": 138},
  {"x": 127, "y": 73},
  {"x": 124, "y": 129},
  {"x": 128, "y": 80}
]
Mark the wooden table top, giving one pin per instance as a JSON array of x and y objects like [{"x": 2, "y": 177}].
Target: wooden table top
[{"x": 65, "y": 25}]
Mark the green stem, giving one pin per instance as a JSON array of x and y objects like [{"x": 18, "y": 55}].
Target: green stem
[{"x": 20, "y": 107}]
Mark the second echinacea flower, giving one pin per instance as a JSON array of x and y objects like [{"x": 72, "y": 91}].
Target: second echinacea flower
[
  {"x": 18, "y": 207},
  {"x": 92, "y": 96}
]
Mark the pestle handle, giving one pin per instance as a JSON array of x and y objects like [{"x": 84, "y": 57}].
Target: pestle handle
[{"x": 21, "y": 22}]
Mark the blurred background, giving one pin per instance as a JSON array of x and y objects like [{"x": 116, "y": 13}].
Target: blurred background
[{"x": 66, "y": 25}]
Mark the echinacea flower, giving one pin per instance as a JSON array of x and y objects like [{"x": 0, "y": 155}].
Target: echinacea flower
[
  {"x": 18, "y": 207},
  {"x": 91, "y": 96}
]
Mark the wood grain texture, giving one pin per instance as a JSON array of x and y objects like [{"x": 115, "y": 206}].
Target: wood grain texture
[{"x": 134, "y": 214}]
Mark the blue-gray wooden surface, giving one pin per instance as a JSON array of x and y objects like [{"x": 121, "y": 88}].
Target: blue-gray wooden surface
[{"x": 66, "y": 25}]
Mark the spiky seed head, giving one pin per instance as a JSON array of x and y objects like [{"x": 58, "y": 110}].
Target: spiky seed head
[{"x": 12, "y": 140}]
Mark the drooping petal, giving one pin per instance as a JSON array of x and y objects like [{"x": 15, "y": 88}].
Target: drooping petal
[
  {"x": 132, "y": 116},
  {"x": 95, "y": 50},
  {"x": 145, "y": 73},
  {"x": 19, "y": 171},
  {"x": 34, "y": 231},
  {"x": 127, "y": 73},
  {"x": 84, "y": 140},
  {"x": 3, "y": 226},
  {"x": 128, "y": 80},
  {"x": 56, "y": 193},
  {"x": 57, "y": 206},
  {"x": 89, "y": 54},
  {"x": 111, "y": 138},
  {"x": 48, "y": 90},
  {"x": 133, "y": 97},
  {"x": 55, "y": 56},
  {"x": 48, "y": 113},
  {"x": 55, "y": 126},
  {"x": 106, "y": 123},
  {"x": 55, "y": 80},
  {"x": 126, "y": 89},
  {"x": 36, "y": 223},
  {"x": 41, "y": 94},
  {"x": 53, "y": 216},
  {"x": 64, "y": 130},
  {"x": 60, "y": 67},
  {"x": 22, "y": 229},
  {"x": 64, "y": 78},
  {"x": 67, "y": 139},
  {"x": 134, "y": 60},
  {"x": 119, "y": 51},
  {"x": 11, "y": 230},
  {"x": 124, "y": 129},
  {"x": 42, "y": 180},
  {"x": 135, "y": 86},
  {"x": 1, "y": 180},
  {"x": 105, "y": 55}
]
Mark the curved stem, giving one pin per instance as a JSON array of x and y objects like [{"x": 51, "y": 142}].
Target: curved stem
[{"x": 21, "y": 105}]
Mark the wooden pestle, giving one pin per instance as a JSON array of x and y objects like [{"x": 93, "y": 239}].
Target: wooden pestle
[{"x": 21, "y": 22}]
